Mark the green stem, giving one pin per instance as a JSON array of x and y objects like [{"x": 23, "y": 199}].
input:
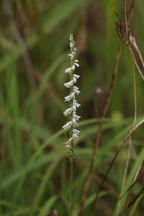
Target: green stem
[
  {"x": 71, "y": 180},
  {"x": 72, "y": 145}
]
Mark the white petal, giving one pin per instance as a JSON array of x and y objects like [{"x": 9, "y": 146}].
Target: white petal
[
  {"x": 71, "y": 44},
  {"x": 76, "y": 104},
  {"x": 71, "y": 55},
  {"x": 69, "y": 97},
  {"x": 73, "y": 67},
  {"x": 67, "y": 125},
  {"x": 68, "y": 70},
  {"x": 67, "y": 145},
  {"x": 75, "y": 116},
  {"x": 76, "y": 90},
  {"x": 68, "y": 111},
  {"x": 74, "y": 136},
  {"x": 69, "y": 84},
  {"x": 76, "y": 131},
  {"x": 74, "y": 121},
  {"x": 74, "y": 80},
  {"x": 76, "y": 64},
  {"x": 76, "y": 76}
]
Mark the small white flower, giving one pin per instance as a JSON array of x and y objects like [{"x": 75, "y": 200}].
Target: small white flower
[
  {"x": 75, "y": 116},
  {"x": 76, "y": 90},
  {"x": 69, "y": 84},
  {"x": 71, "y": 44},
  {"x": 74, "y": 136},
  {"x": 74, "y": 122},
  {"x": 76, "y": 104},
  {"x": 74, "y": 108},
  {"x": 73, "y": 67},
  {"x": 68, "y": 70},
  {"x": 69, "y": 97},
  {"x": 67, "y": 145},
  {"x": 71, "y": 55},
  {"x": 76, "y": 63},
  {"x": 74, "y": 80},
  {"x": 75, "y": 131},
  {"x": 76, "y": 76},
  {"x": 68, "y": 111},
  {"x": 67, "y": 125}
]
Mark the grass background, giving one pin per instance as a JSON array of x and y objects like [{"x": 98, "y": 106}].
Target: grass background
[{"x": 34, "y": 176}]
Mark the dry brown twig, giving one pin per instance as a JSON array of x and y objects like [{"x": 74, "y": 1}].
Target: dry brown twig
[
  {"x": 131, "y": 11},
  {"x": 125, "y": 16},
  {"x": 135, "y": 98},
  {"x": 135, "y": 62}
]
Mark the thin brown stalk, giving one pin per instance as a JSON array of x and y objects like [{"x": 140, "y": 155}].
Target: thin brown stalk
[
  {"x": 135, "y": 98},
  {"x": 131, "y": 10},
  {"x": 135, "y": 61},
  {"x": 99, "y": 133},
  {"x": 125, "y": 15},
  {"x": 134, "y": 44}
]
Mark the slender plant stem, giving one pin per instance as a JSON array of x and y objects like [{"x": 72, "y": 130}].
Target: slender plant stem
[
  {"x": 71, "y": 176},
  {"x": 135, "y": 61},
  {"x": 71, "y": 182},
  {"x": 135, "y": 97},
  {"x": 131, "y": 10},
  {"x": 125, "y": 15}
]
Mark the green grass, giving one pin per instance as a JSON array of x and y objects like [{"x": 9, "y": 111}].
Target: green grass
[{"x": 34, "y": 176}]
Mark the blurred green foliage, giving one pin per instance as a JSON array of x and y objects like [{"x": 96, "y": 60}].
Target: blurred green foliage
[{"x": 33, "y": 56}]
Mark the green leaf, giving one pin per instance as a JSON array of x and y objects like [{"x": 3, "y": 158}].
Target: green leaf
[{"x": 47, "y": 206}]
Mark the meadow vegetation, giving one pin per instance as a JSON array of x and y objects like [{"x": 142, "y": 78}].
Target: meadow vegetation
[{"x": 34, "y": 164}]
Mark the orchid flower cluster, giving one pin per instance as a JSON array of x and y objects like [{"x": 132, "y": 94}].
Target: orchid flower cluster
[{"x": 71, "y": 98}]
